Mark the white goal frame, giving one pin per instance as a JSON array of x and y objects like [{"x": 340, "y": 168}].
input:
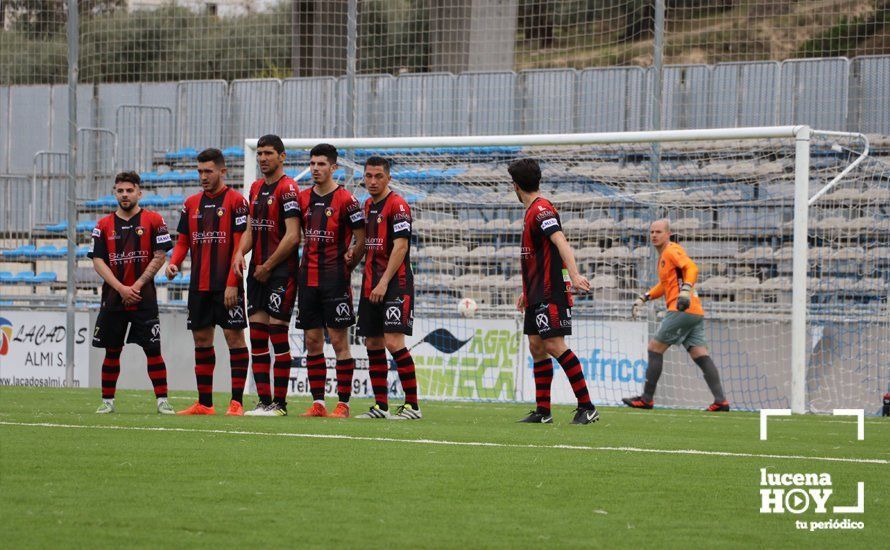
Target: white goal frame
[{"x": 801, "y": 134}]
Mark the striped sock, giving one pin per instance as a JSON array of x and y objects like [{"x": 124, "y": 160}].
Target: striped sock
[
  {"x": 572, "y": 368},
  {"x": 378, "y": 368},
  {"x": 543, "y": 371},
  {"x": 345, "y": 368},
  {"x": 205, "y": 362},
  {"x": 317, "y": 371},
  {"x": 281, "y": 370},
  {"x": 261, "y": 362},
  {"x": 157, "y": 371},
  {"x": 405, "y": 366},
  {"x": 111, "y": 370},
  {"x": 239, "y": 359}
]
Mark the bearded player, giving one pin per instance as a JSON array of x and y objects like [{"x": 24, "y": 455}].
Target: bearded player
[
  {"x": 683, "y": 324},
  {"x": 272, "y": 235},
  {"x": 331, "y": 215},
  {"x": 546, "y": 297},
  {"x": 129, "y": 246},
  {"x": 386, "y": 307},
  {"x": 210, "y": 228}
]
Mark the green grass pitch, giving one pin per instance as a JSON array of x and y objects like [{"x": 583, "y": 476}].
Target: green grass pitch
[{"x": 466, "y": 476}]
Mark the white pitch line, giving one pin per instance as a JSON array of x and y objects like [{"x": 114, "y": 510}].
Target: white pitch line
[{"x": 451, "y": 443}]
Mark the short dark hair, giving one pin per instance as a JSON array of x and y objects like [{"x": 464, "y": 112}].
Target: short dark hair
[
  {"x": 271, "y": 140},
  {"x": 128, "y": 177},
  {"x": 325, "y": 150},
  {"x": 378, "y": 161},
  {"x": 212, "y": 155},
  {"x": 526, "y": 173}
]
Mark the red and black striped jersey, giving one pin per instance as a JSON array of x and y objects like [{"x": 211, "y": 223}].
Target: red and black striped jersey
[
  {"x": 270, "y": 205},
  {"x": 387, "y": 220},
  {"x": 128, "y": 246},
  {"x": 328, "y": 222},
  {"x": 208, "y": 223},
  {"x": 543, "y": 271}
]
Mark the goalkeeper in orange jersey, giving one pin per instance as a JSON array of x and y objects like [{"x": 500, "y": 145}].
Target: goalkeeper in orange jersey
[{"x": 684, "y": 322}]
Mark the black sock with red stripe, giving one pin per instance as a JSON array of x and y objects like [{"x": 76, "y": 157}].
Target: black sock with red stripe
[
  {"x": 157, "y": 371},
  {"x": 405, "y": 366},
  {"x": 345, "y": 368},
  {"x": 378, "y": 369},
  {"x": 543, "y": 372},
  {"x": 281, "y": 370},
  {"x": 317, "y": 371},
  {"x": 205, "y": 362},
  {"x": 261, "y": 361},
  {"x": 239, "y": 358},
  {"x": 111, "y": 371},
  {"x": 572, "y": 368}
]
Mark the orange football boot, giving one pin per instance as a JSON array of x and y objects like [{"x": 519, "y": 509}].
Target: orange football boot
[
  {"x": 198, "y": 409},
  {"x": 317, "y": 409},
  {"x": 341, "y": 411},
  {"x": 235, "y": 409}
]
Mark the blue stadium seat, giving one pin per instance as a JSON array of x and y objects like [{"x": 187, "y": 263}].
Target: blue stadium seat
[
  {"x": 82, "y": 251},
  {"x": 102, "y": 202},
  {"x": 85, "y": 226},
  {"x": 60, "y": 227},
  {"x": 7, "y": 277},
  {"x": 22, "y": 251},
  {"x": 46, "y": 277},
  {"x": 25, "y": 277},
  {"x": 50, "y": 251},
  {"x": 233, "y": 151},
  {"x": 185, "y": 153}
]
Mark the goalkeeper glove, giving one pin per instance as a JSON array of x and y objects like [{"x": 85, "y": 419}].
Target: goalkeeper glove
[
  {"x": 685, "y": 297},
  {"x": 637, "y": 311}
]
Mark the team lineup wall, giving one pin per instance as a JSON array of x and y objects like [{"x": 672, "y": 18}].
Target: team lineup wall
[{"x": 473, "y": 359}]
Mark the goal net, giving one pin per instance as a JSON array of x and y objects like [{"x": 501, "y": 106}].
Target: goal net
[{"x": 730, "y": 198}]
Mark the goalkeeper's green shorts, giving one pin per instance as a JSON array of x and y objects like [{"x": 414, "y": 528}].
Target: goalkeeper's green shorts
[{"x": 679, "y": 327}]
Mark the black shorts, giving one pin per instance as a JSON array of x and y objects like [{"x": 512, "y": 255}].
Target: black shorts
[
  {"x": 394, "y": 315},
  {"x": 329, "y": 307},
  {"x": 276, "y": 297},
  {"x": 548, "y": 320},
  {"x": 111, "y": 326},
  {"x": 208, "y": 308}
]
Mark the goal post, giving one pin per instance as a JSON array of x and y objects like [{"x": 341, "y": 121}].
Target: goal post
[{"x": 741, "y": 198}]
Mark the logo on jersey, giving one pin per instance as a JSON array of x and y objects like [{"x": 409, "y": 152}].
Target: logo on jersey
[
  {"x": 292, "y": 205},
  {"x": 356, "y": 217},
  {"x": 379, "y": 219},
  {"x": 262, "y": 224},
  {"x": 329, "y": 211},
  {"x": 140, "y": 231},
  {"x": 208, "y": 236},
  {"x": 220, "y": 212},
  {"x": 163, "y": 238},
  {"x": 236, "y": 313},
  {"x": 270, "y": 201},
  {"x": 342, "y": 309},
  {"x": 318, "y": 235},
  {"x": 155, "y": 332},
  {"x": 550, "y": 222},
  {"x": 97, "y": 232},
  {"x": 393, "y": 314},
  {"x": 275, "y": 302},
  {"x": 401, "y": 226},
  {"x": 241, "y": 220},
  {"x": 542, "y": 321},
  {"x": 127, "y": 257}
]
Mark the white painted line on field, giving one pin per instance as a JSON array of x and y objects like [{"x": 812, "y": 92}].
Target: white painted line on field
[
  {"x": 765, "y": 414},
  {"x": 860, "y": 420},
  {"x": 451, "y": 443}
]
